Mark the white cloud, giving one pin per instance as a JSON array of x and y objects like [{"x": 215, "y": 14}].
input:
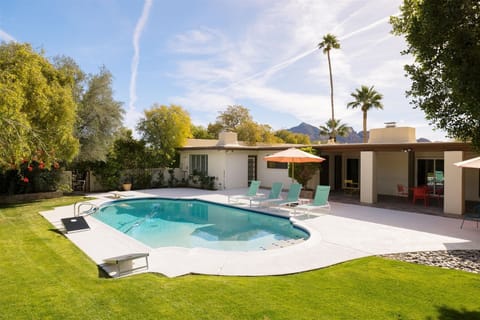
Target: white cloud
[
  {"x": 275, "y": 64},
  {"x": 202, "y": 41},
  {"x": 6, "y": 37}
]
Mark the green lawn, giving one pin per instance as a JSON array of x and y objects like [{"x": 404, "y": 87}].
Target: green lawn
[{"x": 44, "y": 276}]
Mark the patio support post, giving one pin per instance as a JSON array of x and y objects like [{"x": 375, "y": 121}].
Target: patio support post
[
  {"x": 368, "y": 177},
  {"x": 454, "y": 193}
]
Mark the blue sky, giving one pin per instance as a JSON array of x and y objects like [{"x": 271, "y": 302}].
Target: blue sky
[{"x": 207, "y": 54}]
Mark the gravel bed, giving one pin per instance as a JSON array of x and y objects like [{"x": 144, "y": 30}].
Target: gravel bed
[{"x": 465, "y": 260}]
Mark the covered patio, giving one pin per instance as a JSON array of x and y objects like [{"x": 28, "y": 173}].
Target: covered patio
[{"x": 377, "y": 169}]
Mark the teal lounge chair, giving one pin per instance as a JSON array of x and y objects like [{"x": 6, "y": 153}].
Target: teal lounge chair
[
  {"x": 320, "y": 201},
  {"x": 272, "y": 196},
  {"x": 251, "y": 193},
  {"x": 292, "y": 196}
]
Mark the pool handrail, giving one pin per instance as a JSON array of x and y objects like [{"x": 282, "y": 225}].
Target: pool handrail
[{"x": 76, "y": 208}]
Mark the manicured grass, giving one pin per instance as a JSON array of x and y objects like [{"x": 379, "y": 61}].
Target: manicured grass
[{"x": 44, "y": 276}]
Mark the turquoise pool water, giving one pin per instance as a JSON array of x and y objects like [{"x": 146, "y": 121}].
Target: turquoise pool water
[{"x": 190, "y": 223}]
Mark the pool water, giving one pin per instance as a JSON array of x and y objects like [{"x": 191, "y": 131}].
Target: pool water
[{"x": 191, "y": 223}]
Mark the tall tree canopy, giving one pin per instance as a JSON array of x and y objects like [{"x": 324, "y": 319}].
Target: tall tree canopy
[
  {"x": 366, "y": 98},
  {"x": 165, "y": 128},
  {"x": 444, "y": 38},
  {"x": 37, "y": 108},
  {"x": 328, "y": 43},
  {"x": 237, "y": 119},
  {"x": 291, "y": 137},
  {"x": 99, "y": 117},
  {"x": 233, "y": 117}
]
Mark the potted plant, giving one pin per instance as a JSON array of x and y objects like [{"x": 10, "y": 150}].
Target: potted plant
[
  {"x": 127, "y": 183},
  {"x": 303, "y": 173}
]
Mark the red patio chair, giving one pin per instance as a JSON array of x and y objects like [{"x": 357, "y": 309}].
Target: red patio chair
[
  {"x": 420, "y": 193},
  {"x": 402, "y": 191}
]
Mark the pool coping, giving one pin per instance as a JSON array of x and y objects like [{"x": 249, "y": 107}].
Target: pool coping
[{"x": 348, "y": 232}]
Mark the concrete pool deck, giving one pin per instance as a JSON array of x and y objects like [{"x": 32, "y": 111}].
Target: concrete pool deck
[{"x": 348, "y": 232}]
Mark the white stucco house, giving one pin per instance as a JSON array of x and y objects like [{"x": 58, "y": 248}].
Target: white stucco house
[{"x": 391, "y": 157}]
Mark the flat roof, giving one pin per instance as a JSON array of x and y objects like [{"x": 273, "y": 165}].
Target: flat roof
[{"x": 343, "y": 147}]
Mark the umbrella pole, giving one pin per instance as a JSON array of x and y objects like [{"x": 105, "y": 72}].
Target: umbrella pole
[{"x": 293, "y": 172}]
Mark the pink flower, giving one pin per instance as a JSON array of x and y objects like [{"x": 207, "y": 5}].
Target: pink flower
[
  {"x": 25, "y": 180},
  {"x": 41, "y": 165},
  {"x": 30, "y": 169}
]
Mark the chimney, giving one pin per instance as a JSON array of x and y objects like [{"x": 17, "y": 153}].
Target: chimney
[
  {"x": 392, "y": 134},
  {"x": 226, "y": 138}
]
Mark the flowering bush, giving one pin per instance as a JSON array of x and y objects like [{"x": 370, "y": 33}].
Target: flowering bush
[{"x": 28, "y": 177}]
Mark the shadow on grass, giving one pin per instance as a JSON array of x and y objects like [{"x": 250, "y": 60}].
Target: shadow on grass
[
  {"x": 57, "y": 231},
  {"x": 447, "y": 313}
]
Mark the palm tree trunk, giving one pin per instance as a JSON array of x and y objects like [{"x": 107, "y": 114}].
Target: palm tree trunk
[
  {"x": 365, "y": 140},
  {"x": 331, "y": 92}
]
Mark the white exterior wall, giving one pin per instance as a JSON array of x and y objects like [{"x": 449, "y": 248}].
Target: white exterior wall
[
  {"x": 217, "y": 166},
  {"x": 368, "y": 173},
  {"x": 236, "y": 174},
  {"x": 454, "y": 183},
  {"x": 392, "y": 169},
  {"x": 392, "y": 135},
  {"x": 269, "y": 176},
  {"x": 471, "y": 184},
  {"x": 216, "y": 163},
  {"x": 472, "y": 180}
]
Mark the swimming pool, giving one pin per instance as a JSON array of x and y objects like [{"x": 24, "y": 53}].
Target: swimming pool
[{"x": 192, "y": 223}]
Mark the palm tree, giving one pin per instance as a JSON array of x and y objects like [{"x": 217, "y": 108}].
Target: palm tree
[
  {"x": 334, "y": 126},
  {"x": 328, "y": 43},
  {"x": 366, "y": 98}
]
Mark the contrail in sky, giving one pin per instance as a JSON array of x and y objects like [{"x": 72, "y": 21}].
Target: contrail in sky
[
  {"x": 290, "y": 61},
  {"x": 370, "y": 26},
  {"x": 6, "y": 37},
  {"x": 136, "y": 52}
]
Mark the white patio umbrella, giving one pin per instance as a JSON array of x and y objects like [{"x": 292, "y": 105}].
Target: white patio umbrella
[
  {"x": 293, "y": 156},
  {"x": 470, "y": 163}
]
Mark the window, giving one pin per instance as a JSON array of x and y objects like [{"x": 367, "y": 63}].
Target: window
[
  {"x": 430, "y": 172},
  {"x": 353, "y": 172},
  {"x": 277, "y": 165},
  {"x": 199, "y": 164}
]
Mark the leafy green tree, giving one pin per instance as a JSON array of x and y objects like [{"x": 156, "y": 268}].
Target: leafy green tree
[
  {"x": 37, "y": 108},
  {"x": 214, "y": 129},
  {"x": 267, "y": 135},
  {"x": 330, "y": 126},
  {"x": 99, "y": 117},
  {"x": 443, "y": 37},
  {"x": 291, "y": 137},
  {"x": 233, "y": 117},
  {"x": 366, "y": 98},
  {"x": 70, "y": 68},
  {"x": 251, "y": 132},
  {"x": 128, "y": 157},
  {"x": 165, "y": 129},
  {"x": 328, "y": 43},
  {"x": 200, "y": 132},
  {"x": 238, "y": 119}
]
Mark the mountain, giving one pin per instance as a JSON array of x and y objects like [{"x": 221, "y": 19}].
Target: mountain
[
  {"x": 309, "y": 130},
  {"x": 314, "y": 134}
]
